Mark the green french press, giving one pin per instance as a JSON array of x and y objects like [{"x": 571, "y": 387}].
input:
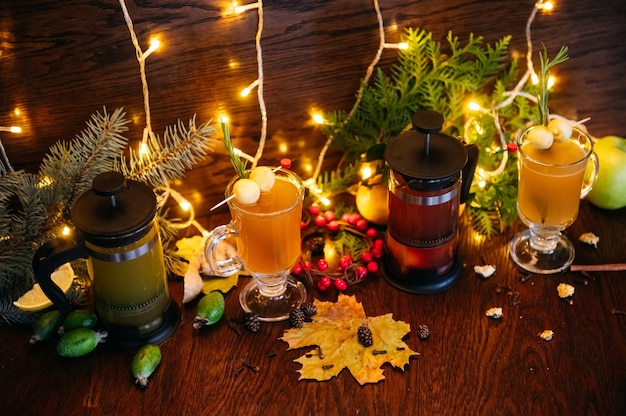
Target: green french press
[{"x": 119, "y": 236}]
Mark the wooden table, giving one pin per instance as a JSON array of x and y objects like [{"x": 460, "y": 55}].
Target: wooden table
[
  {"x": 60, "y": 64},
  {"x": 470, "y": 364}
]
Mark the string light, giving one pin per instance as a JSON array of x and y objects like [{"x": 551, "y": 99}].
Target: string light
[
  {"x": 5, "y": 158},
  {"x": 148, "y": 134},
  {"x": 483, "y": 176},
  {"x": 141, "y": 58},
  {"x": 366, "y": 171},
  {"x": 318, "y": 118},
  {"x": 155, "y": 43},
  {"x": 241, "y": 9},
  {"x": 44, "y": 182},
  {"x": 143, "y": 150},
  {"x": 246, "y": 91},
  {"x": 401, "y": 45},
  {"x": 368, "y": 74}
]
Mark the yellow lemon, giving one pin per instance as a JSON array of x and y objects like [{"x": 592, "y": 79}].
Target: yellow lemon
[
  {"x": 35, "y": 299},
  {"x": 371, "y": 201}
]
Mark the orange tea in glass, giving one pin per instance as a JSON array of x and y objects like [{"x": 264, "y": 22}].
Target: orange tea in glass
[
  {"x": 267, "y": 233},
  {"x": 551, "y": 184}
]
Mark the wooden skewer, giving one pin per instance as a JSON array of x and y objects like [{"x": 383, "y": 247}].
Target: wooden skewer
[
  {"x": 219, "y": 204},
  {"x": 614, "y": 267}
]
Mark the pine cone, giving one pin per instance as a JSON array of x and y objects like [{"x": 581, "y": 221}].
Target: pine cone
[
  {"x": 365, "y": 336},
  {"x": 309, "y": 309},
  {"x": 251, "y": 322},
  {"x": 296, "y": 318},
  {"x": 423, "y": 332}
]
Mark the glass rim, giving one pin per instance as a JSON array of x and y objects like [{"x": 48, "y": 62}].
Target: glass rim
[
  {"x": 576, "y": 129},
  {"x": 292, "y": 177}
]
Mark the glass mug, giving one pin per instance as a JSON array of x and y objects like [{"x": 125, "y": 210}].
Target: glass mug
[
  {"x": 551, "y": 183},
  {"x": 267, "y": 235}
]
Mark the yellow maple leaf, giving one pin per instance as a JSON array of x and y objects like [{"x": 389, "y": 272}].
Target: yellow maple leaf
[{"x": 334, "y": 330}]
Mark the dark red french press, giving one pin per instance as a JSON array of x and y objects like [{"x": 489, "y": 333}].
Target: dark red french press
[{"x": 430, "y": 176}]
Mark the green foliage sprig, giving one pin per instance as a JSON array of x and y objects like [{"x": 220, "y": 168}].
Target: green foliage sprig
[
  {"x": 33, "y": 207},
  {"x": 544, "y": 78},
  {"x": 238, "y": 164},
  {"x": 429, "y": 75}
]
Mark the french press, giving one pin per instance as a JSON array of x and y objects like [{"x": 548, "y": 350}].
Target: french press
[
  {"x": 119, "y": 236},
  {"x": 430, "y": 176}
]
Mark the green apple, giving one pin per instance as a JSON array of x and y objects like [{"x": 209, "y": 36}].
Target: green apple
[{"x": 609, "y": 190}]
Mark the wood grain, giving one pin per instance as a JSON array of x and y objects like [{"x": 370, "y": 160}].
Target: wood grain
[{"x": 62, "y": 61}]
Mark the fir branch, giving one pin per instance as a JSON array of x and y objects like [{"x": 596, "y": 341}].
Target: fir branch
[
  {"x": 347, "y": 242},
  {"x": 73, "y": 166},
  {"x": 337, "y": 181},
  {"x": 181, "y": 148},
  {"x": 544, "y": 77}
]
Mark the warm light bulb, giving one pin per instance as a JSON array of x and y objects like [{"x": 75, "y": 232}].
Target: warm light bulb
[
  {"x": 474, "y": 106},
  {"x": 325, "y": 201},
  {"x": 66, "y": 230},
  {"x": 184, "y": 205},
  {"x": 366, "y": 172},
  {"x": 11, "y": 129},
  {"x": 551, "y": 82},
  {"x": 535, "y": 79},
  {"x": 143, "y": 149},
  {"x": 240, "y": 9},
  {"x": 545, "y": 5},
  {"x": 224, "y": 119},
  {"x": 45, "y": 181},
  {"x": 246, "y": 91},
  {"x": 154, "y": 45},
  {"x": 318, "y": 118},
  {"x": 401, "y": 45}
]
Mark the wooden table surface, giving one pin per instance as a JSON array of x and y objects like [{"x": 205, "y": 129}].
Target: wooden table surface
[
  {"x": 61, "y": 62},
  {"x": 471, "y": 364}
]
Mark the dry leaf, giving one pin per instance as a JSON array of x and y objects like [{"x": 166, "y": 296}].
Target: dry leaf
[{"x": 334, "y": 330}]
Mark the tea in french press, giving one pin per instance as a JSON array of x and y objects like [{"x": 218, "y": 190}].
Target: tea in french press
[
  {"x": 430, "y": 176},
  {"x": 119, "y": 236}
]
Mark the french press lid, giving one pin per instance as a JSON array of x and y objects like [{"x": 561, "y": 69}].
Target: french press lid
[
  {"x": 424, "y": 153},
  {"x": 115, "y": 211}
]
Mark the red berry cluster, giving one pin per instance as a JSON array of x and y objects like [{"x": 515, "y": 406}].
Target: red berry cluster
[{"x": 348, "y": 270}]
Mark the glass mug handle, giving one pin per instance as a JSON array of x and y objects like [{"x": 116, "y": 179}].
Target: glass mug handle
[
  {"x": 591, "y": 173},
  {"x": 223, "y": 263}
]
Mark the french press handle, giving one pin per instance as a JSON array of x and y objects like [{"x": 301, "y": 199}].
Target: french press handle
[
  {"x": 47, "y": 258},
  {"x": 468, "y": 171}
]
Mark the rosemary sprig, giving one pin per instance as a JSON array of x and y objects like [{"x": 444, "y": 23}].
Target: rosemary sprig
[
  {"x": 544, "y": 76},
  {"x": 238, "y": 164}
]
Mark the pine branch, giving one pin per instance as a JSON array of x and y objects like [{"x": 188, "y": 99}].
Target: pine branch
[
  {"x": 181, "y": 148},
  {"x": 72, "y": 166}
]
